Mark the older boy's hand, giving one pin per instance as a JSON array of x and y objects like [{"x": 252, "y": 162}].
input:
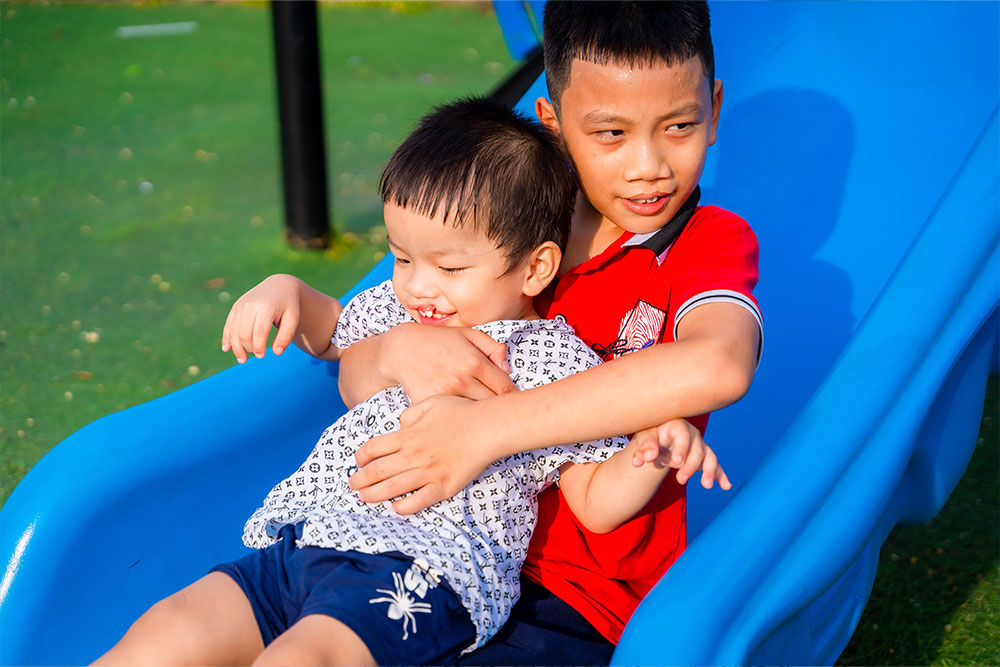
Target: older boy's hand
[
  {"x": 678, "y": 444},
  {"x": 435, "y": 455},
  {"x": 429, "y": 361}
]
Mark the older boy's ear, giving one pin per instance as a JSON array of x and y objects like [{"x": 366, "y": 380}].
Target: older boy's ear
[
  {"x": 716, "y": 108},
  {"x": 542, "y": 267},
  {"x": 547, "y": 115}
]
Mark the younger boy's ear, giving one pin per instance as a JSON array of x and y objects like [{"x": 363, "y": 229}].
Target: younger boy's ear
[
  {"x": 547, "y": 115},
  {"x": 542, "y": 267}
]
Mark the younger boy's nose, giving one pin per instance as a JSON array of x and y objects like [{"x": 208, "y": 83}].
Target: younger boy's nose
[{"x": 419, "y": 284}]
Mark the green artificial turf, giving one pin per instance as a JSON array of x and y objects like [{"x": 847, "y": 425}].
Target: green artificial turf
[
  {"x": 113, "y": 292},
  {"x": 935, "y": 599},
  {"x": 141, "y": 188}
]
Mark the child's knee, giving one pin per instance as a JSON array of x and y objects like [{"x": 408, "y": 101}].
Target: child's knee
[
  {"x": 154, "y": 638},
  {"x": 316, "y": 640},
  {"x": 164, "y": 623}
]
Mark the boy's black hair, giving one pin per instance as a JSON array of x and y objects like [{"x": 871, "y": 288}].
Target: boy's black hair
[
  {"x": 626, "y": 32},
  {"x": 478, "y": 162}
]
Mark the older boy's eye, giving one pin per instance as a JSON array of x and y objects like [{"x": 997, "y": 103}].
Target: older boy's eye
[
  {"x": 611, "y": 133},
  {"x": 680, "y": 126}
]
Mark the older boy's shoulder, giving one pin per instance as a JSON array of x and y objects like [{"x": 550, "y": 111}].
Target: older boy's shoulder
[{"x": 722, "y": 224}]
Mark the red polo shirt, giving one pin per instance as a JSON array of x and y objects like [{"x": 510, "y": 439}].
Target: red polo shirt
[{"x": 628, "y": 297}]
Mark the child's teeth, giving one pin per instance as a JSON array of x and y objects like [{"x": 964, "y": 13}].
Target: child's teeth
[
  {"x": 645, "y": 201},
  {"x": 429, "y": 312}
]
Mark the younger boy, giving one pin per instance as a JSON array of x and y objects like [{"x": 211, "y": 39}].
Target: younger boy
[
  {"x": 660, "y": 286},
  {"x": 477, "y": 206}
]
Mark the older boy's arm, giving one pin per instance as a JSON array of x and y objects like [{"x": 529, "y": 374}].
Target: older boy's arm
[
  {"x": 605, "y": 495},
  {"x": 426, "y": 361},
  {"x": 710, "y": 366}
]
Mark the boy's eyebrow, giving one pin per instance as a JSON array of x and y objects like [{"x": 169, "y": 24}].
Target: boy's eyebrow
[
  {"x": 686, "y": 110},
  {"x": 601, "y": 117},
  {"x": 440, "y": 252}
]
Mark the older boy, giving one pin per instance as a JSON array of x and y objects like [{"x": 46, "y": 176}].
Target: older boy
[
  {"x": 339, "y": 581},
  {"x": 636, "y": 102}
]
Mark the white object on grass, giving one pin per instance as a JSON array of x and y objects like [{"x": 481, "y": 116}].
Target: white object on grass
[{"x": 156, "y": 29}]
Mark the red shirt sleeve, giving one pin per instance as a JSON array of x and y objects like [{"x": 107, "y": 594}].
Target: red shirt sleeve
[{"x": 715, "y": 260}]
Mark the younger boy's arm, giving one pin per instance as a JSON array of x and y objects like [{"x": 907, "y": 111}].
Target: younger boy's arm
[
  {"x": 605, "y": 495},
  {"x": 709, "y": 366},
  {"x": 303, "y": 315}
]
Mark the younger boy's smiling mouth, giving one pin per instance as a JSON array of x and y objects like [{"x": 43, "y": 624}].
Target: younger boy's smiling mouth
[{"x": 430, "y": 315}]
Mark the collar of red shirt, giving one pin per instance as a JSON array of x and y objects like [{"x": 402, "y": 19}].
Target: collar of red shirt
[{"x": 660, "y": 240}]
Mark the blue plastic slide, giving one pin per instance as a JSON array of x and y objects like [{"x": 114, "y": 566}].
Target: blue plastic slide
[{"x": 861, "y": 142}]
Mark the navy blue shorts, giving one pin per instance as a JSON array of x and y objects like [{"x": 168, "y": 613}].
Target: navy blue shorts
[
  {"x": 543, "y": 630},
  {"x": 402, "y": 614}
]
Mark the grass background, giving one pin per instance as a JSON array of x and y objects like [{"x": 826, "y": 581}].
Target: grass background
[{"x": 113, "y": 292}]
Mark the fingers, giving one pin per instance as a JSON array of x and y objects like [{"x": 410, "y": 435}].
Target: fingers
[
  {"x": 647, "y": 447},
  {"x": 392, "y": 487},
  {"x": 375, "y": 448},
  {"x": 261, "y": 329},
  {"x": 492, "y": 376},
  {"x": 687, "y": 449},
  {"x": 724, "y": 483},
  {"x": 410, "y": 415},
  {"x": 232, "y": 337},
  {"x": 709, "y": 468},
  {"x": 287, "y": 326},
  {"x": 420, "y": 499},
  {"x": 676, "y": 435},
  {"x": 496, "y": 352},
  {"x": 691, "y": 465},
  {"x": 225, "y": 331},
  {"x": 248, "y": 332}
]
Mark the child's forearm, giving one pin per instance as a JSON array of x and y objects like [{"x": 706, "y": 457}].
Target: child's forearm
[
  {"x": 318, "y": 315},
  {"x": 710, "y": 366},
  {"x": 359, "y": 375},
  {"x": 700, "y": 373},
  {"x": 605, "y": 495},
  {"x": 426, "y": 361}
]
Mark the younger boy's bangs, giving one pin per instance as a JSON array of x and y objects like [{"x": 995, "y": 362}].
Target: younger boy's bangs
[
  {"x": 477, "y": 162},
  {"x": 458, "y": 197}
]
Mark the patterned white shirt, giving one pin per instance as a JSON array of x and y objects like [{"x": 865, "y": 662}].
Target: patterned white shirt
[{"x": 477, "y": 539}]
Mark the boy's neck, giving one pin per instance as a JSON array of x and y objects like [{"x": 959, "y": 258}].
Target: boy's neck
[{"x": 590, "y": 234}]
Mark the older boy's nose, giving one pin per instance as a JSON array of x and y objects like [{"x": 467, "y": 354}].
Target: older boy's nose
[{"x": 645, "y": 163}]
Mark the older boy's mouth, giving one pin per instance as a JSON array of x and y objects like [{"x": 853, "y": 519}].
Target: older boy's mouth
[{"x": 647, "y": 205}]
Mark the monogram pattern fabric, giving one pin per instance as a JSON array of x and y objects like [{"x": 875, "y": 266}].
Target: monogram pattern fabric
[{"x": 479, "y": 538}]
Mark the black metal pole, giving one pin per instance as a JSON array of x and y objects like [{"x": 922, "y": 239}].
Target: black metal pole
[
  {"x": 512, "y": 89},
  {"x": 300, "y": 110}
]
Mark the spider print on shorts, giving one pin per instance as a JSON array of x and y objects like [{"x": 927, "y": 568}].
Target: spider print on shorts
[{"x": 402, "y": 605}]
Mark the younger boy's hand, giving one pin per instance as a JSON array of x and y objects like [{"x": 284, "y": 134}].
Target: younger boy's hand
[
  {"x": 273, "y": 302},
  {"x": 678, "y": 444}
]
